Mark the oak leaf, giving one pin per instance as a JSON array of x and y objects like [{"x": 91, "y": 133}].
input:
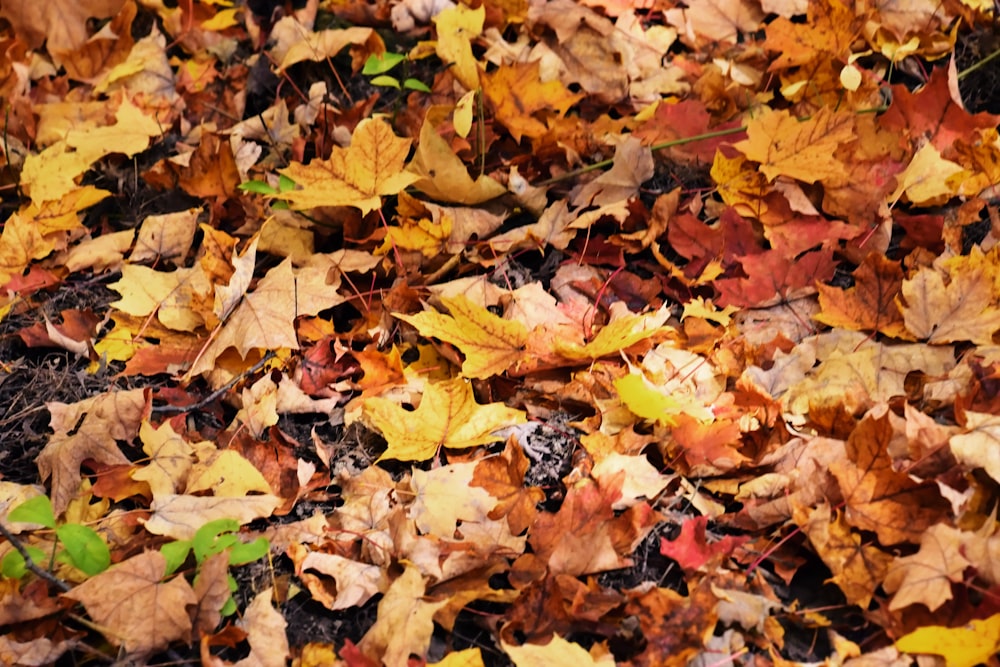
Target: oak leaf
[
  {"x": 448, "y": 416},
  {"x": 359, "y": 176},
  {"x": 134, "y": 607},
  {"x": 490, "y": 343},
  {"x": 803, "y": 150}
]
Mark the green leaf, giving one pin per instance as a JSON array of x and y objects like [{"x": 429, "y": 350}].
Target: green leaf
[
  {"x": 176, "y": 553},
  {"x": 248, "y": 552},
  {"x": 386, "y": 81},
  {"x": 85, "y": 548},
  {"x": 381, "y": 64},
  {"x": 229, "y": 608},
  {"x": 285, "y": 184},
  {"x": 214, "y": 537},
  {"x": 413, "y": 84},
  {"x": 13, "y": 565},
  {"x": 34, "y": 510},
  {"x": 259, "y": 187}
]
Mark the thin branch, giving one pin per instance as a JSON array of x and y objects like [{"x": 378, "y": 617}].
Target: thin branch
[
  {"x": 30, "y": 563},
  {"x": 180, "y": 409}
]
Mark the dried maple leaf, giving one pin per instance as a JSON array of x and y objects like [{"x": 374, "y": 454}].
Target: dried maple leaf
[
  {"x": 803, "y": 150},
  {"x": 829, "y": 32},
  {"x": 134, "y": 607},
  {"x": 926, "y": 576},
  {"x": 404, "y": 623},
  {"x": 928, "y": 179},
  {"x": 180, "y": 516},
  {"x": 585, "y": 535},
  {"x": 876, "y": 496},
  {"x": 858, "y": 569},
  {"x": 442, "y": 175},
  {"x": 930, "y": 113},
  {"x": 490, "y": 343},
  {"x": 520, "y": 99},
  {"x": 974, "y": 643},
  {"x": 264, "y": 319},
  {"x": 89, "y": 429},
  {"x": 963, "y": 309},
  {"x": 266, "y": 633},
  {"x": 444, "y": 497},
  {"x": 354, "y": 582},
  {"x": 870, "y": 304},
  {"x": 359, "y": 176},
  {"x": 448, "y": 416},
  {"x": 979, "y": 446},
  {"x": 503, "y": 477}
]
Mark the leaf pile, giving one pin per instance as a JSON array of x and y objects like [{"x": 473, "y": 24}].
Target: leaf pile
[{"x": 655, "y": 333}]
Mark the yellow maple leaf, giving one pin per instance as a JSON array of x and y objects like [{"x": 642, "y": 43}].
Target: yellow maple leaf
[
  {"x": 323, "y": 44},
  {"x": 618, "y": 334},
  {"x": 448, "y": 416},
  {"x": 928, "y": 179},
  {"x": 804, "y": 150},
  {"x": 456, "y": 27},
  {"x": 442, "y": 175},
  {"x": 964, "y": 646},
  {"x": 359, "y": 176},
  {"x": 490, "y": 343}
]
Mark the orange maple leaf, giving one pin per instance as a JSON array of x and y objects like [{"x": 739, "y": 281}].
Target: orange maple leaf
[{"x": 520, "y": 99}]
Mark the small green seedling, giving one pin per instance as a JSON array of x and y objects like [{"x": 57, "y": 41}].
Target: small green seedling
[
  {"x": 82, "y": 547},
  {"x": 213, "y": 538},
  {"x": 377, "y": 67},
  {"x": 264, "y": 188}
]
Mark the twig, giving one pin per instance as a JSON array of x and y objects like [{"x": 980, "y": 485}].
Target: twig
[
  {"x": 180, "y": 409},
  {"x": 30, "y": 564}
]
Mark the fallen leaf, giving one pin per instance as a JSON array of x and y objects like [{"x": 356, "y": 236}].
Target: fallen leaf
[
  {"x": 966, "y": 646},
  {"x": 359, "y": 176},
  {"x": 134, "y": 607},
  {"x": 404, "y": 622},
  {"x": 448, "y": 416}
]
